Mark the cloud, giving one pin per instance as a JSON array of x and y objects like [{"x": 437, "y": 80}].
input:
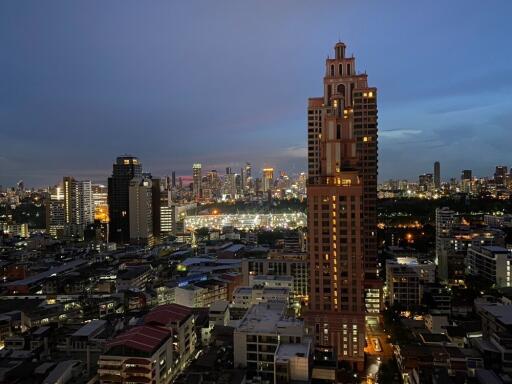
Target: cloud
[{"x": 399, "y": 133}]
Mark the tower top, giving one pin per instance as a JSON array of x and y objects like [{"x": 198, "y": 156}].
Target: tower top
[{"x": 339, "y": 50}]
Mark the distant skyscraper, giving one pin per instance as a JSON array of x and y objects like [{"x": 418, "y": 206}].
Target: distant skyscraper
[
  {"x": 425, "y": 181},
  {"x": 444, "y": 222},
  {"x": 55, "y": 213},
  {"x": 500, "y": 175},
  {"x": 141, "y": 211},
  {"x": 228, "y": 170},
  {"x": 437, "y": 174},
  {"x": 268, "y": 179},
  {"x": 342, "y": 220},
  {"x": 124, "y": 170},
  {"x": 173, "y": 179},
  {"x": 466, "y": 174},
  {"x": 78, "y": 205},
  {"x": 196, "y": 180}
]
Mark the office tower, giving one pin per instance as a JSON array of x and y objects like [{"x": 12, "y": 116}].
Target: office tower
[
  {"x": 425, "y": 181},
  {"x": 268, "y": 178},
  {"x": 342, "y": 222},
  {"x": 500, "y": 174},
  {"x": 229, "y": 187},
  {"x": 100, "y": 202},
  {"x": 55, "y": 212},
  {"x": 437, "y": 175},
  {"x": 155, "y": 206},
  {"x": 196, "y": 180},
  {"x": 78, "y": 205},
  {"x": 173, "y": 179},
  {"x": 466, "y": 174},
  {"x": 167, "y": 213},
  {"x": 228, "y": 170},
  {"x": 123, "y": 170},
  {"x": 444, "y": 223},
  {"x": 466, "y": 180},
  {"x": 141, "y": 211}
]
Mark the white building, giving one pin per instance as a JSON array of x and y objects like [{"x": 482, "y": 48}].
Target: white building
[
  {"x": 490, "y": 262},
  {"x": 245, "y": 297},
  {"x": 271, "y": 346},
  {"x": 271, "y": 281}
]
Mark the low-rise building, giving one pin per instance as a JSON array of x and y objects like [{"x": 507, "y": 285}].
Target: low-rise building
[
  {"x": 143, "y": 354},
  {"x": 404, "y": 279},
  {"x": 492, "y": 263},
  {"x": 262, "y": 345},
  {"x": 245, "y": 297}
]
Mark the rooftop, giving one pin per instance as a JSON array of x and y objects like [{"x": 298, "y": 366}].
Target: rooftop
[
  {"x": 143, "y": 338},
  {"x": 90, "y": 329},
  {"x": 169, "y": 313},
  {"x": 288, "y": 351},
  {"x": 269, "y": 318}
]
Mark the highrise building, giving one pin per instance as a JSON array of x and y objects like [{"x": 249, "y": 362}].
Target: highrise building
[
  {"x": 342, "y": 221},
  {"x": 437, "y": 175},
  {"x": 268, "y": 179},
  {"x": 444, "y": 222},
  {"x": 141, "y": 211},
  {"x": 500, "y": 174},
  {"x": 425, "y": 181},
  {"x": 55, "y": 212},
  {"x": 124, "y": 170},
  {"x": 466, "y": 180},
  {"x": 173, "y": 179},
  {"x": 196, "y": 180},
  {"x": 78, "y": 205},
  {"x": 466, "y": 174},
  {"x": 100, "y": 202}
]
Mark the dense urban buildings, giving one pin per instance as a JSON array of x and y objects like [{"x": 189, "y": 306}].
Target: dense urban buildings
[
  {"x": 342, "y": 195},
  {"x": 248, "y": 273}
]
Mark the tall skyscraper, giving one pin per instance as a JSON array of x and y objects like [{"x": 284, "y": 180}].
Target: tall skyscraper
[
  {"x": 124, "y": 169},
  {"x": 173, "y": 179},
  {"x": 437, "y": 175},
  {"x": 342, "y": 222},
  {"x": 196, "y": 180},
  {"x": 141, "y": 211},
  {"x": 500, "y": 174},
  {"x": 268, "y": 179},
  {"x": 78, "y": 205}
]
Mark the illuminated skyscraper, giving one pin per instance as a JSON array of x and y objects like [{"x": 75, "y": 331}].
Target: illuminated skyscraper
[
  {"x": 342, "y": 194},
  {"x": 78, "y": 205},
  {"x": 268, "y": 179},
  {"x": 196, "y": 180},
  {"x": 124, "y": 169}
]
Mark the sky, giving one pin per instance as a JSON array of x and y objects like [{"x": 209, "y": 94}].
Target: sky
[{"x": 224, "y": 82}]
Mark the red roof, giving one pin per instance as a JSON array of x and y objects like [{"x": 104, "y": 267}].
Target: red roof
[
  {"x": 143, "y": 338},
  {"x": 168, "y": 313}
]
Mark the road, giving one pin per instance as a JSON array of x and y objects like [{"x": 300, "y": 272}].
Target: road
[{"x": 378, "y": 350}]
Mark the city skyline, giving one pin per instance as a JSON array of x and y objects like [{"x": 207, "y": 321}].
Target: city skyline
[{"x": 83, "y": 97}]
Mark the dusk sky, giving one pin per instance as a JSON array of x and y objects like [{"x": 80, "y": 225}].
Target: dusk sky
[{"x": 224, "y": 82}]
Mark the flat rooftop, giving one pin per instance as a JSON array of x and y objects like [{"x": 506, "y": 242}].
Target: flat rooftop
[
  {"x": 90, "y": 328},
  {"x": 287, "y": 351},
  {"x": 269, "y": 318}
]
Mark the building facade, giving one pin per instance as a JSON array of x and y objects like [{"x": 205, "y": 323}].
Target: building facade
[
  {"x": 342, "y": 193},
  {"x": 124, "y": 170}
]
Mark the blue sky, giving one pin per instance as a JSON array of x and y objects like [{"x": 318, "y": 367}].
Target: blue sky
[{"x": 224, "y": 82}]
